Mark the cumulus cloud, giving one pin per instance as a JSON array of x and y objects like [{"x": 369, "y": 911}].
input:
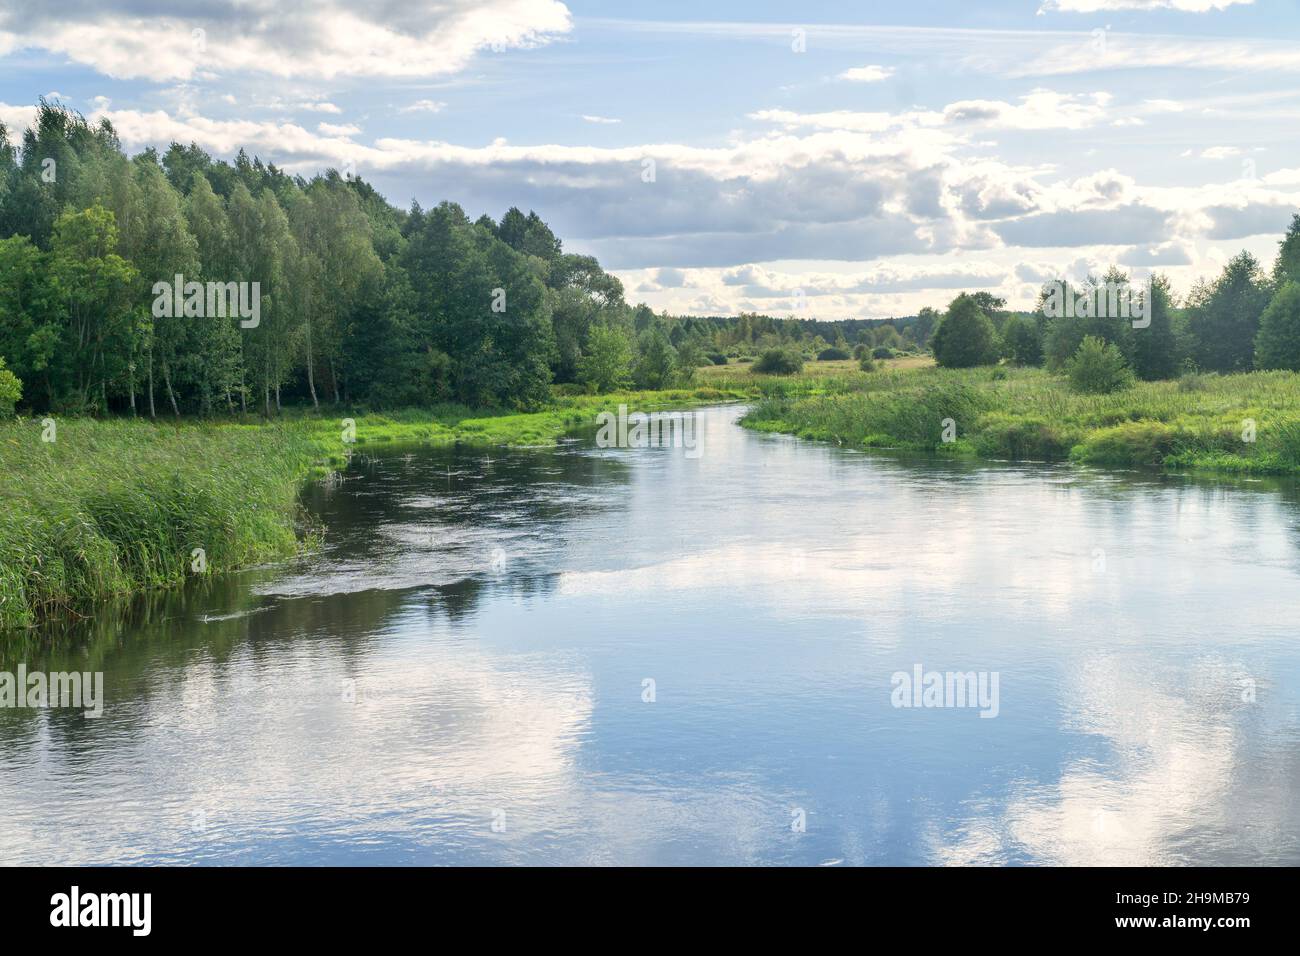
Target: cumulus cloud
[
  {"x": 286, "y": 38},
  {"x": 601, "y": 120}
]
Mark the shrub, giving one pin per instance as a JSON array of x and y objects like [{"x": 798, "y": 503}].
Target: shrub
[
  {"x": 965, "y": 337},
  {"x": 779, "y": 362},
  {"x": 717, "y": 358},
  {"x": 10, "y": 390},
  {"x": 866, "y": 362},
  {"x": 882, "y": 352},
  {"x": 1098, "y": 368},
  {"x": 832, "y": 354}
]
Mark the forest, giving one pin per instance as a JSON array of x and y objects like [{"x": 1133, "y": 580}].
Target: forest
[{"x": 361, "y": 303}]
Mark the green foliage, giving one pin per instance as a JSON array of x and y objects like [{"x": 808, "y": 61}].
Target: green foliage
[
  {"x": 832, "y": 354},
  {"x": 1224, "y": 316},
  {"x": 11, "y": 390},
  {"x": 656, "y": 362},
  {"x": 1098, "y": 368},
  {"x": 1155, "y": 348},
  {"x": 1278, "y": 342},
  {"x": 867, "y": 363},
  {"x": 779, "y": 362},
  {"x": 1022, "y": 343},
  {"x": 605, "y": 365},
  {"x": 965, "y": 337}
]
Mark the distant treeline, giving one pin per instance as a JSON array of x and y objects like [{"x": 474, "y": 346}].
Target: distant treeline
[{"x": 1244, "y": 319}]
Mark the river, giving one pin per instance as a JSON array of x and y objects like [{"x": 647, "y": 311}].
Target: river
[{"x": 584, "y": 655}]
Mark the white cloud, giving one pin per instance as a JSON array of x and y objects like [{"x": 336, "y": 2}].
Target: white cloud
[
  {"x": 329, "y": 129},
  {"x": 1220, "y": 152},
  {"x": 1097, "y": 6},
  {"x": 602, "y": 120},
  {"x": 424, "y": 106},
  {"x": 319, "y": 107},
  {"x": 286, "y": 38},
  {"x": 867, "y": 74},
  {"x": 16, "y": 119}
]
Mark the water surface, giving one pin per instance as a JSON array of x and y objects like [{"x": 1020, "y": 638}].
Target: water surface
[{"x": 461, "y": 674}]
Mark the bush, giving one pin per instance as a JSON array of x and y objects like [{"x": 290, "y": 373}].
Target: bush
[
  {"x": 965, "y": 337},
  {"x": 779, "y": 362},
  {"x": 882, "y": 352},
  {"x": 866, "y": 362},
  {"x": 10, "y": 390},
  {"x": 832, "y": 354},
  {"x": 717, "y": 358},
  {"x": 1098, "y": 368}
]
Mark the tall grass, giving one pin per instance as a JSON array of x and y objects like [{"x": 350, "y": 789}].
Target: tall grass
[
  {"x": 1027, "y": 414},
  {"x": 113, "y": 507}
]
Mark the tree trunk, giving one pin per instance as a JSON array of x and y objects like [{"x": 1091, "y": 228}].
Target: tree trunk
[
  {"x": 311, "y": 372},
  {"x": 167, "y": 380},
  {"x": 152, "y": 412}
]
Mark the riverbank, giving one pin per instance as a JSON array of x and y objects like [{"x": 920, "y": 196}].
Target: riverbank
[
  {"x": 114, "y": 507},
  {"x": 1245, "y": 423}
]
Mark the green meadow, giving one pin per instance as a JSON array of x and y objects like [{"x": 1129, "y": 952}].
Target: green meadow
[{"x": 1242, "y": 423}]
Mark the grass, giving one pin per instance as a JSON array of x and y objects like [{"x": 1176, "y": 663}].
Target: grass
[
  {"x": 117, "y": 507},
  {"x": 1027, "y": 414}
]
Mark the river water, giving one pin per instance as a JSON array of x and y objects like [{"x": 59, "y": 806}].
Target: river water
[{"x": 583, "y": 655}]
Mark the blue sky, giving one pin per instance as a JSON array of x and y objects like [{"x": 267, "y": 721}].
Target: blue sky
[{"x": 829, "y": 159}]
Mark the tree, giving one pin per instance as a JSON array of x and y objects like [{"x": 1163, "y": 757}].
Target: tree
[
  {"x": 1278, "y": 342},
  {"x": 1022, "y": 344},
  {"x": 1155, "y": 349},
  {"x": 1065, "y": 332},
  {"x": 1287, "y": 267},
  {"x": 656, "y": 363},
  {"x": 965, "y": 337},
  {"x": 93, "y": 284},
  {"x": 606, "y": 363},
  {"x": 1223, "y": 318}
]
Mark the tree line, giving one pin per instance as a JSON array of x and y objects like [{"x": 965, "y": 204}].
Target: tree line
[
  {"x": 360, "y": 302},
  {"x": 1244, "y": 319}
]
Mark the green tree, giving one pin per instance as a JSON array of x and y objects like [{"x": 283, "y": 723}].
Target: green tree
[
  {"x": 1155, "y": 348},
  {"x": 1022, "y": 343},
  {"x": 1278, "y": 342},
  {"x": 606, "y": 363},
  {"x": 656, "y": 363},
  {"x": 1223, "y": 318},
  {"x": 94, "y": 286},
  {"x": 965, "y": 337},
  {"x": 1287, "y": 267}
]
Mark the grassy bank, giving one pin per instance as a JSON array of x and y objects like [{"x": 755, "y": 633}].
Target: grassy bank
[
  {"x": 116, "y": 507},
  {"x": 1027, "y": 414}
]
